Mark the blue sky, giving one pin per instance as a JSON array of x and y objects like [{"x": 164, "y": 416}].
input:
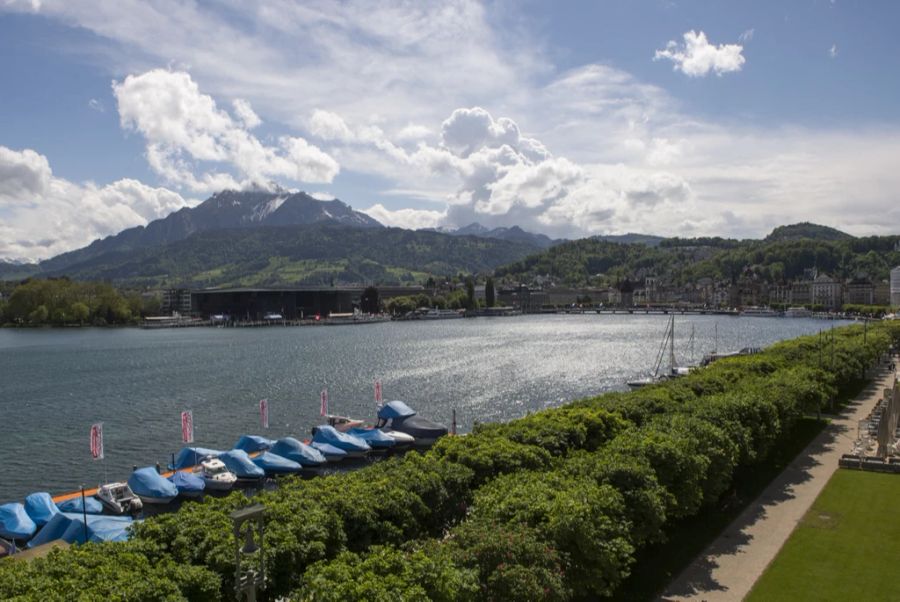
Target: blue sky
[{"x": 569, "y": 118}]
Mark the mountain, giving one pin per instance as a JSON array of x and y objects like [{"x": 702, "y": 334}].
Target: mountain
[
  {"x": 318, "y": 253},
  {"x": 224, "y": 210},
  {"x": 513, "y": 234},
  {"x": 14, "y": 270},
  {"x": 807, "y": 230}
]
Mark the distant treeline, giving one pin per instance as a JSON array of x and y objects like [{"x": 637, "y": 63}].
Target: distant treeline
[{"x": 61, "y": 302}]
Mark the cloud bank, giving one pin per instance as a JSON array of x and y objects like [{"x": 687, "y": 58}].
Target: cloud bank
[{"x": 42, "y": 215}]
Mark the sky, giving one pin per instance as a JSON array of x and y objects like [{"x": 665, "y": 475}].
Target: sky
[{"x": 569, "y": 118}]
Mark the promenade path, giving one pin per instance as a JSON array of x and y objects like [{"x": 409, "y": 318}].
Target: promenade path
[{"x": 729, "y": 566}]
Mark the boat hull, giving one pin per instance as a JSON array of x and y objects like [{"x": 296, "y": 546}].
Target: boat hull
[
  {"x": 149, "y": 499},
  {"x": 215, "y": 485}
]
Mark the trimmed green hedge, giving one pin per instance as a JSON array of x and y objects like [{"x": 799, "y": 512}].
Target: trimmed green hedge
[{"x": 551, "y": 506}]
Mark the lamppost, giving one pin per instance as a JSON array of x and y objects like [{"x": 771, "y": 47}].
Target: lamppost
[{"x": 249, "y": 551}]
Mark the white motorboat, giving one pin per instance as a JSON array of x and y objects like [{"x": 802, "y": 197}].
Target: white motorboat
[
  {"x": 118, "y": 498},
  {"x": 216, "y": 476}
]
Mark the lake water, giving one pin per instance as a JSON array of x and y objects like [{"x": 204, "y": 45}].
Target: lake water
[{"x": 55, "y": 383}]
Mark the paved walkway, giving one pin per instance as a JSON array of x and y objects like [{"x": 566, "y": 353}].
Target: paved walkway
[{"x": 728, "y": 568}]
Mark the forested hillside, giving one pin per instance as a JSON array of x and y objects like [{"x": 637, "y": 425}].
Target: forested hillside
[{"x": 778, "y": 258}]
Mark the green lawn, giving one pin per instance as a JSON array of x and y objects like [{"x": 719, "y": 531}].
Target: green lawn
[{"x": 847, "y": 547}]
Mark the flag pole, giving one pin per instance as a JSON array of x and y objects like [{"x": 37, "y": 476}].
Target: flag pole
[{"x": 84, "y": 514}]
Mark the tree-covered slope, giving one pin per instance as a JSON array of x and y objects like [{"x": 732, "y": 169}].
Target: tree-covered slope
[{"x": 777, "y": 258}]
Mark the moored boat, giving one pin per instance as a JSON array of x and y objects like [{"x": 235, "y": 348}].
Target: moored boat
[
  {"x": 40, "y": 508},
  {"x": 215, "y": 475},
  {"x": 238, "y": 462},
  {"x": 273, "y": 464},
  {"x": 192, "y": 456},
  {"x": 331, "y": 453},
  {"x": 353, "y": 446},
  {"x": 397, "y": 416},
  {"x": 253, "y": 443},
  {"x": 377, "y": 440},
  {"x": 301, "y": 453},
  {"x": 189, "y": 485},
  {"x": 89, "y": 505},
  {"x": 118, "y": 498},
  {"x": 15, "y": 524},
  {"x": 152, "y": 487}
]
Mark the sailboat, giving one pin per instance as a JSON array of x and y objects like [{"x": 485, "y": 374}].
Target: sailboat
[{"x": 667, "y": 347}]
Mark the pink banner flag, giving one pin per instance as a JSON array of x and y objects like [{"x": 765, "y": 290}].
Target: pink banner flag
[
  {"x": 97, "y": 441},
  {"x": 378, "y": 398},
  {"x": 264, "y": 413},
  {"x": 323, "y": 409},
  {"x": 187, "y": 426}
]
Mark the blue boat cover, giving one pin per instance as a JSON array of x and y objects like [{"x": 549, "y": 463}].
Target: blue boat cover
[
  {"x": 330, "y": 435},
  {"x": 299, "y": 452},
  {"x": 328, "y": 450},
  {"x": 395, "y": 409},
  {"x": 238, "y": 462},
  {"x": 91, "y": 505},
  {"x": 40, "y": 508},
  {"x": 253, "y": 443},
  {"x": 192, "y": 456},
  {"x": 70, "y": 528},
  {"x": 188, "y": 482},
  {"x": 146, "y": 482},
  {"x": 15, "y": 522},
  {"x": 275, "y": 464},
  {"x": 374, "y": 437}
]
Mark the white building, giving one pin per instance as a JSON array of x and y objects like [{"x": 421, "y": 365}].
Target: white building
[{"x": 895, "y": 286}]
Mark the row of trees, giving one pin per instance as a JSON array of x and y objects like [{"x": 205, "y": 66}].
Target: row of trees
[
  {"x": 553, "y": 506},
  {"x": 60, "y": 301},
  {"x": 461, "y": 298}
]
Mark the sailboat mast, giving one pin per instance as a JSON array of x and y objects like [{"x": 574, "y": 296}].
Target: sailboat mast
[{"x": 672, "y": 346}]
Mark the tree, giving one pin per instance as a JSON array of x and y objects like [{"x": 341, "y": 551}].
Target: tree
[
  {"x": 489, "y": 294},
  {"x": 470, "y": 293},
  {"x": 369, "y": 302}
]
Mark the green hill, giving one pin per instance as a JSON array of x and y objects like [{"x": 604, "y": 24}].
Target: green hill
[
  {"x": 682, "y": 261},
  {"x": 806, "y": 230}
]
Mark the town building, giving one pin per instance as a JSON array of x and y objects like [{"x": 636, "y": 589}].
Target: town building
[{"x": 895, "y": 285}]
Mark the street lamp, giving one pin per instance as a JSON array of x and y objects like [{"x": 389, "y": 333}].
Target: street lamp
[{"x": 249, "y": 551}]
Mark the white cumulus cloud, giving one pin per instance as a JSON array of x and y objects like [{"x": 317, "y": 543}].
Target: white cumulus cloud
[
  {"x": 413, "y": 219},
  {"x": 697, "y": 57},
  {"x": 42, "y": 215},
  {"x": 187, "y": 133}
]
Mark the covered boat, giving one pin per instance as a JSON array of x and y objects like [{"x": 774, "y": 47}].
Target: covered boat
[
  {"x": 331, "y": 453},
  {"x": 376, "y": 439},
  {"x": 152, "y": 487},
  {"x": 15, "y": 522},
  {"x": 301, "y": 453},
  {"x": 274, "y": 464},
  {"x": 354, "y": 446},
  {"x": 70, "y": 528},
  {"x": 253, "y": 443},
  {"x": 398, "y": 416},
  {"x": 238, "y": 462},
  {"x": 192, "y": 456},
  {"x": 91, "y": 505},
  {"x": 40, "y": 508},
  {"x": 188, "y": 484}
]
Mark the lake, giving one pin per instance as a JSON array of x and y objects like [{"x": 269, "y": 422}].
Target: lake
[{"x": 54, "y": 383}]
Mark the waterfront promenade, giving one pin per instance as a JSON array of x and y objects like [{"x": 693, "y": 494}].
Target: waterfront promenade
[{"x": 729, "y": 567}]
